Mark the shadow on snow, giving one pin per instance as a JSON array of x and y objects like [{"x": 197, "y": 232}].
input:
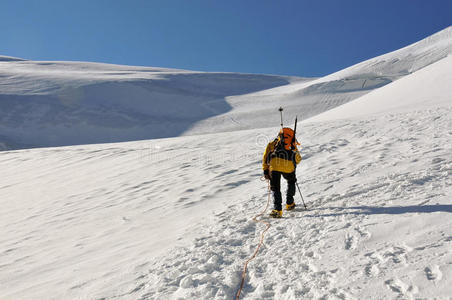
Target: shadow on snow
[{"x": 376, "y": 210}]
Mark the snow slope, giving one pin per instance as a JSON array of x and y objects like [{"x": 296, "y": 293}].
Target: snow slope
[
  {"x": 432, "y": 88},
  {"x": 65, "y": 103},
  {"x": 171, "y": 218},
  {"x": 307, "y": 99}
]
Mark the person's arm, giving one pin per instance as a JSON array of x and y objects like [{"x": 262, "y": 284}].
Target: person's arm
[{"x": 265, "y": 165}]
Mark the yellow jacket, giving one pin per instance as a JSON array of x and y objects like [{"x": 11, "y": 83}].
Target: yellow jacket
[{"x": 280, "y": 164}]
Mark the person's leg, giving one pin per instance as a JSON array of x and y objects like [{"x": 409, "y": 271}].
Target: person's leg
[
  {"x": 291, "y": 179},
  {"x": 275, "y": 186}
]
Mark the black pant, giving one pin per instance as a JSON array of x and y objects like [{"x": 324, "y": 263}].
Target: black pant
[{"x": 275, "y": 186}]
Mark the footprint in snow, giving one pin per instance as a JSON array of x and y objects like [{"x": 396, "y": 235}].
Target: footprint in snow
[
  {"x": 363, "y": 233},
  {"x": 350, "y": 242},
  {"x": 372, "y": 270},
  {"x": 397, "y": 254},
  {"x": 404, "y": 290},
  {"x": 433, "y": 273}
]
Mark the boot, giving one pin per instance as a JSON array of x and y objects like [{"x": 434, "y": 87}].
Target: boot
[
  {"x": 290, "y": 206},
  {"x": 276, "y": 213}
]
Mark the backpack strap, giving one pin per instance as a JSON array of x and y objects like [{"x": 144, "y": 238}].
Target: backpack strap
[{"x": 270, "y": 154}]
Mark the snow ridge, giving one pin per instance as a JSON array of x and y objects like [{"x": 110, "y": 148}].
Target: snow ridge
[
  {"x": 10, "y": 58},
  {"x": 309, "y": 98}
]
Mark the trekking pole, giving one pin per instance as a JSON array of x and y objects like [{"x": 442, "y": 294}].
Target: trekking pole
[{"x": 301, "y": 196}]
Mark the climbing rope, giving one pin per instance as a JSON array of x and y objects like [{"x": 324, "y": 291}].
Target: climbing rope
[{"x": 245, "y": 266}]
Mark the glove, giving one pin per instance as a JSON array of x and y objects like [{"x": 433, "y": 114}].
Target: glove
[{"x": 267, "y": 174}]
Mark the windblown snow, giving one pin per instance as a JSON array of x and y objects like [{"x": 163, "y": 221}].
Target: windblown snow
[{"x": 171, "y": 218}]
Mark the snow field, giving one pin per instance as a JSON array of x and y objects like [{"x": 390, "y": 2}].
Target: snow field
[
  {"x": 171, "y": 218},
  {"x": 103, "y": 211},
  {"x": 67, "y": 103},
  {"x": 378, "y": 224}
]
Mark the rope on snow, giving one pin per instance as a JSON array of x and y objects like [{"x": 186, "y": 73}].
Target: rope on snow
[{"x": 261, "y": 242}]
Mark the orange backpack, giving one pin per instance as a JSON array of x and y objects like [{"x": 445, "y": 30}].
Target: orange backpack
[{"x": 286, "y": 138}]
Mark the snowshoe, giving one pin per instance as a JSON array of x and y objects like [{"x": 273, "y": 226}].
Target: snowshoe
[
  {"x": 290, "y": 206},
  {"x": 276, "y": 213}
]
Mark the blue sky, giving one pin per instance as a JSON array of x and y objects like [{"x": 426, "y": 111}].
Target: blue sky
[{"x": 303, "y": 38}]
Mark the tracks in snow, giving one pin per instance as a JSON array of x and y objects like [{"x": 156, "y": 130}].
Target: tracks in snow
[{"x": 352, "y": 243}]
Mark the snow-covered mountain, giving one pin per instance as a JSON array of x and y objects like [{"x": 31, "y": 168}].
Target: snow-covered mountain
[
  {"x": 422, "y": 90},
  {"x": 65, "y": 103},
  {"x": 309, "y": 98},
  {"x": 172, "y": 218}
]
